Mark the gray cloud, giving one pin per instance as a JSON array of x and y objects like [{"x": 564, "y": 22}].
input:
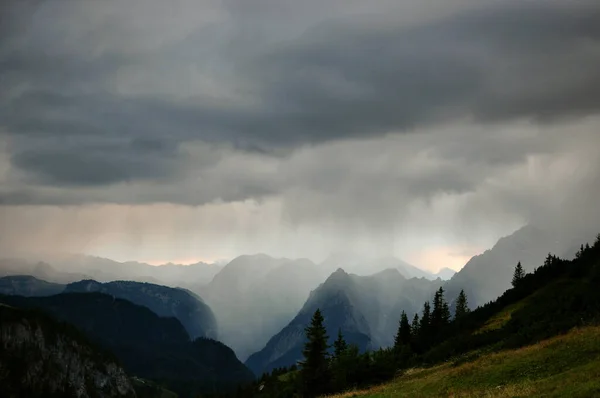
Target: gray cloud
[
  {"x": 226, "y": 79},
  {"x": 314, "y": 126}
]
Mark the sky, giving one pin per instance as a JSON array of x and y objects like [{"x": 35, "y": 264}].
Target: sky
[{"x": 204, "y": 129}]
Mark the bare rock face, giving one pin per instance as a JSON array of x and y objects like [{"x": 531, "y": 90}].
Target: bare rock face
[{"x": 40, "y": 357}]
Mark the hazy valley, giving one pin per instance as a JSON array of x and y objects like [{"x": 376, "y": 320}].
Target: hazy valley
[{"x": 258, "y": 305}]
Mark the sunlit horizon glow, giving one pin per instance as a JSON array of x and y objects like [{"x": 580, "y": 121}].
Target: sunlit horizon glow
[
  {"x": 431, "y": 259},
  {"x": 180, "y": 261}
]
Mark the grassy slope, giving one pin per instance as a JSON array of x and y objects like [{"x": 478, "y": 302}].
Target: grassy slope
[
  {"x": 567, "y": 365},
  {"x": 501, "y": 319}
]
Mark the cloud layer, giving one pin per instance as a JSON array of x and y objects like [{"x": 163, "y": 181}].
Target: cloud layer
[{"x": 389, "y": 120}]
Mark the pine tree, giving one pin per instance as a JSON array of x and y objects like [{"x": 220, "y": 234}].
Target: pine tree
[
  {"x": 440, "y": 316},
  {"x": 445, "y": 313},
  {"x": 462, "y": 307},
  {"x": 518, "y": 274},
  {"x": 550, "y": 259},
  {"x": 425, "y": 326},
  {"x": 426, "y": 317},
  {"x": 315, "y": 373},
  {"x": 404, "y": 333},
  {"x": 339, "y": 345},
  {"x": 579, "y": 253},
  {"x": 414, "y": 328}
]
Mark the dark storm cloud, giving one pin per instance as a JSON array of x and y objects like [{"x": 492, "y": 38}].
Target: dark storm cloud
[
  {"x": 98, "y": 164},
  {"x": 515, "y": 59},
  {"x": 71, "y": 122}
]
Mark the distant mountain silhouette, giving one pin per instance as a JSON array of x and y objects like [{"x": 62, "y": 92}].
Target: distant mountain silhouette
[
  {"x": 67, "y": 268},
  {"x": 488, "y": 275},
  {"x": 365, "y": 308},
  {"x": 445, "y": 273},
  {"x": 38, "y": 269},
  {"x": 254, "y": 296},
  {"x": 149, "y": 346},
  {"x": 197, "y": 317},
  {"x": 360, "y": 265},
  {"x": 27, "y": 285}
]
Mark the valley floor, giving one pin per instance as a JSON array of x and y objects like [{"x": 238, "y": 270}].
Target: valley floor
[{"x": 564, "y": 366}]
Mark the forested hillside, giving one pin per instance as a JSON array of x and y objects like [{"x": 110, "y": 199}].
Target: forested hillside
[{"x": 558, "y": 296}]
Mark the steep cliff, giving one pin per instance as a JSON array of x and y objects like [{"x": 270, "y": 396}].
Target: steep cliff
[{"x": 41, "y": 357}]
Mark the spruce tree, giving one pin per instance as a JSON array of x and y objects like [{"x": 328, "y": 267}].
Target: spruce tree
[
  {"x": 339, "y": 345},
  {"x": 579, "y": 253},
  {"x": 404, "y": 333},
  {"x": 440, "y": 316},
  {"x": 445, "y": 314},
  {"x": 518, "y": 274},
  {"x": 414, "y": 328},
  {"x": 315, "y": 372},
  {"x": 425, "y": 326},
  {"x": 462, "y": 307}
]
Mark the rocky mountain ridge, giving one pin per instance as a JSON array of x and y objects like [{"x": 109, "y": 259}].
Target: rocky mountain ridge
[{"x": 40, "y": 357}]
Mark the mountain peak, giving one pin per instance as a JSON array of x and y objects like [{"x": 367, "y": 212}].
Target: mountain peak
[
  {"x": 339, "y": 279},
  {"x": 338, "y": 274},
  {"x": 445, "y": 273},
  {"x": 389, "y": 273}
]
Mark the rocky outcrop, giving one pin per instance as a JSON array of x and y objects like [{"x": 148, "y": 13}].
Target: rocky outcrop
[
  {"x": 148, "y": 346},
  {"x": 41, "y": 357}
]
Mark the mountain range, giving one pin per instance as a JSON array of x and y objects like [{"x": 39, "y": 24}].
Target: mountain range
[
  {"x": 147, "y": 345},
  {"x": 67, "y": 268},
  {"x": 366, "y": 309},
  {"x": 197, "y": 317},
  {"x": 265, "y": 294},
  {"x": 256, "y": 304}
]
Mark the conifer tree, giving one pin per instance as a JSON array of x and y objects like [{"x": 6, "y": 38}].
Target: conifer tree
[
  {"x": 445, "y": 313},
  {"x": 426, "y": 317},
  {"x": 579, "y": 253},
  {"x": 550, "y": 259},
  {"x": 518, "y": 274},
  {"x": 425, "y": 325},
  {"x": 339, "y": 345},
  {"x": 440, "y": 316},
  {"x": 403, "y": 336},
  {"x": 462, "y": 307},
  {"x": 315, "y": 373},
  {"x": 414, "y": 328}
]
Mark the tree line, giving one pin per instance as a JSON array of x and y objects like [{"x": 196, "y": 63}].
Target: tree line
[
  {"x": 566, "y": 296},
  {"x": 322, "y": 372}
]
